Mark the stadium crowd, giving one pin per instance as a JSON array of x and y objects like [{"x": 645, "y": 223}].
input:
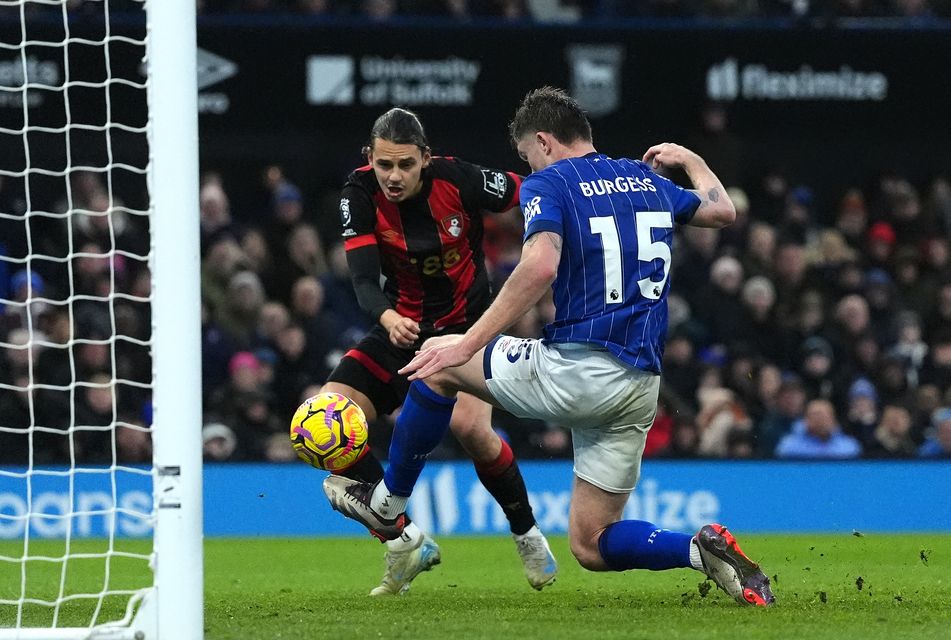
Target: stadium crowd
[
  {"x": 804, "y": 330},
  {"x": 795, "y": 333}
]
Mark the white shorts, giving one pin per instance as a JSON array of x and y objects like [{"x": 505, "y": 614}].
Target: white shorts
[{"x": 608, "y": 404}]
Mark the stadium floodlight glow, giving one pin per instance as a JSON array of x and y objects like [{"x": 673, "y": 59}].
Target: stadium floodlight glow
[{"x": 108, "y": 98}]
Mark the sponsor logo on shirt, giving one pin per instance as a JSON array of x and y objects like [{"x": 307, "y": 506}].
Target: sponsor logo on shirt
[
  {"x": 345, "y": 211},
  {"x": 493, "y": 182},
  {"x": 532, "y": 209}
]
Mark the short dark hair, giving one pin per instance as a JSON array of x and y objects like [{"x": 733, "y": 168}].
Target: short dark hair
[
  {"x": 551, "y": 110},
  {"x": 399, "y": 126}
]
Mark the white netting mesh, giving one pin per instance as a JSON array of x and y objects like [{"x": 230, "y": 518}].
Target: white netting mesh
[{"x": 75, "y": 370}]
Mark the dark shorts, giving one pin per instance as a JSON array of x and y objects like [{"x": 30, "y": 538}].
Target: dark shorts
[{"x": 371, "y": 368}]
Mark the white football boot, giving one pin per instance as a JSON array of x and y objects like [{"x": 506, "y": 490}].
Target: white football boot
[
  {"x": 539, "y": 563},
  {"x": 403, "y": 566}
]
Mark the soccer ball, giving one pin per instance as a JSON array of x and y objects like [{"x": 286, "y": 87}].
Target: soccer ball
[{"x": 329, "y": 431}]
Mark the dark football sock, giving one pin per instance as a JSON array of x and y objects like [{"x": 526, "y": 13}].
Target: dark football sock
[
  {"x": 503, "y": 480},
  {"x": 367, "y": 469}
]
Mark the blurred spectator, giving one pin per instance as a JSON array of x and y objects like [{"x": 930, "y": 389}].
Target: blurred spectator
[
  {"x": 720, "y": 414},
  {"x": 938, "y": 444},
  {"x": 852, "y": 218},
  {"x": 769, "y": 379},
  {"x": 892, "y": 437},
  {"x": 892, "y": 382},
  {"x": 272, "y": 319},
  {"x": 816, "y": 368},
  {"x": 760, "y": 247},
  {"x": 258, "y": 258},
  {"x": 940, "y": 317},
  {"x": 796, "y": 223},
  {"x": 95, "y": 415},
  {"x": 880, "y": 243},
  {"x": 214, "y": 207},
  {"x": 915, "y": 292},
  {"x": 849, "y": 278},
  {"x": 692, "y": 260},
  {"x": 217, "y": 348},
  {"x": 937, "y": 369},
  {"x": 238, "y": 315},
  {"x": 740, "y": 444},
  {"x": 301, "y": 255},
  {"x": 684, "y": 439},
  {"x": 719, "y": 306},
  {"x": 134, "y": 445},
  {"x": 759, "y": 329},
  {"x": 219, "y": 443},
  {"x": 909, "y": 346},
  {"x": 789, "y": 407},
  {"x": 223, "y": 258},
  {"x": 16, "y": 417},
  {"x": 852, "y": 322},
  {"x": 680, "y": 371},
  {"x": 927, "y": 401},
  {"x": 818, "y": 435},
  {"x": 789, "y": 276},
  {"x": 339, "y": 297},
  {"x": 296, "y": 369},
  {"x": 277, "y": 448},
  {"x": 658, "y": 438},
  {"x": 327, "y": 334},
  {"x": 880, "y": 297},
  {"x": 861, "y": 416}
]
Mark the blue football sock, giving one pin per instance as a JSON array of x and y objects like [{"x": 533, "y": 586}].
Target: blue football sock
[
  {"x": 635, "y": 544},
  {"x": 422, "y": 424}
]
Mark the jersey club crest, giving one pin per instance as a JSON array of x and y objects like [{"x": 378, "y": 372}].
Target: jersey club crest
[{"x": 453, "y": 225}]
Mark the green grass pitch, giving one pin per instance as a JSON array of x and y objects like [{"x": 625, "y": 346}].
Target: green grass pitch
[{"x": 827, "y": 586}]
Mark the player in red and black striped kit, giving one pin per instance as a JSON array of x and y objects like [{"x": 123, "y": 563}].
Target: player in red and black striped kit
[{"x": 412, "y": 228}]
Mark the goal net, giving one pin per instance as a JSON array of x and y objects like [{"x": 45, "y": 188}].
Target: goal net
[{"x": 100, "y": 453}]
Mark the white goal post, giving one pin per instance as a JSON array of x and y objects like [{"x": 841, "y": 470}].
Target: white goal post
[{"x": 157, "y": 64}]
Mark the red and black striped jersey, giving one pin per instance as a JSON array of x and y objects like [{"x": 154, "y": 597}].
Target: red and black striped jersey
[{"x": 430, "y": 246}]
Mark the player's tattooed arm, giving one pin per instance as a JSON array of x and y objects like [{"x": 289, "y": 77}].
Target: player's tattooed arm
[
  {"x": 547, "y": 236},
  {"x": 711, "y": 197}
]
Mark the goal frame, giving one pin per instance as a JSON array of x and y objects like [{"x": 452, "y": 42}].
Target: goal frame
[
  {"x": 173, "y": 608},
  {"x": 178, "y": 611}
]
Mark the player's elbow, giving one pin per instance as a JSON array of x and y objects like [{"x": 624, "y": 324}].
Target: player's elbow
[
  {"x": 720, "y": 215},
  {"x": 539, "y": 269},
  {"x": 727, "y": 215},
  {"x": 546, "y": 272}
]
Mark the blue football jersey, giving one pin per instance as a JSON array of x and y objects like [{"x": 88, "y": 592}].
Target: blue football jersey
[{"x": 616, "y": 219}]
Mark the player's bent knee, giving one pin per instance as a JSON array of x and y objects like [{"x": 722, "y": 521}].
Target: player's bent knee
[
  {"x": 442, "y": 382},
  {"x": 588, "y": 555}
]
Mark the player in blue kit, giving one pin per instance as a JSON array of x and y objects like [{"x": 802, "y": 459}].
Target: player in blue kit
[{"x": 599, "y": 232}]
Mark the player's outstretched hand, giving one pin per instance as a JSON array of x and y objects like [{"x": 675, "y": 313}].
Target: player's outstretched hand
[
  {"x": 437, "y": 354},
  {"x": 668, "y": 155}
]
